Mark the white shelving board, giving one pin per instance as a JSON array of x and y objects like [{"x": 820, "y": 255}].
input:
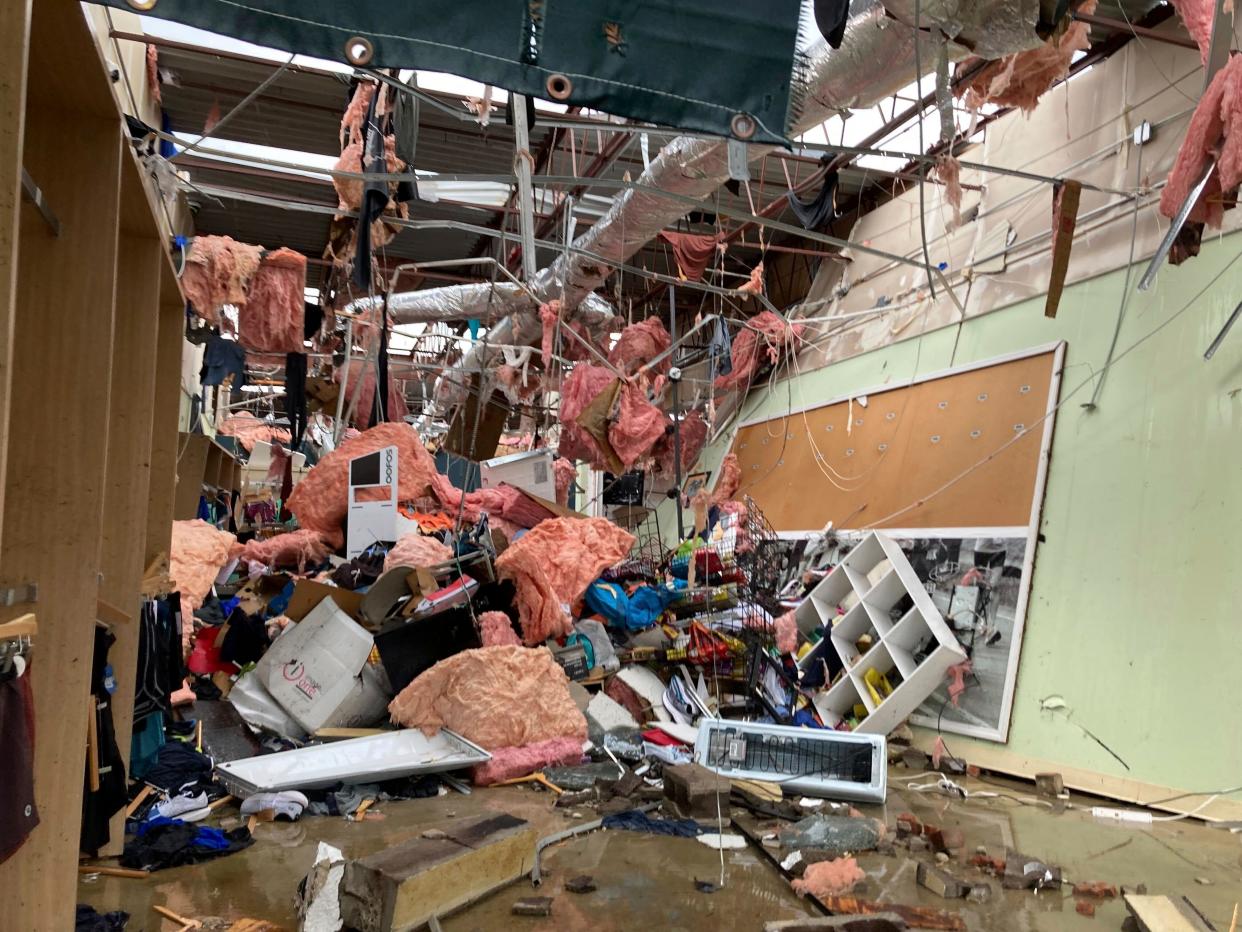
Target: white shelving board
[{"x": 858, "y": 598}]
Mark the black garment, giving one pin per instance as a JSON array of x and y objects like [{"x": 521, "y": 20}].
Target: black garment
[
  {"x": 178, "y": 765},
  {"x": 18, "y": 814},
  {"x": 88, "y": 920},
  {"x": 405, "y": 128},
  {"x": 831, "y": 17},
  {"x": 245, "y": 640},
  {"x": 100, "y": 806},
  {"x": 361, "y": 571},
  {"x": 160, "y": 670},
  {"x": 379, "y": 404},
  {"x": 819, "y": 209},
  {"x": 177, "y": 843},
  {"x": 633, "y": 820},
  {"x": 374, "y": 193},
  {"x": 221, "y": 358},
  {"x": 312, "y": 320},
  {"x": 295, "y": 396}
]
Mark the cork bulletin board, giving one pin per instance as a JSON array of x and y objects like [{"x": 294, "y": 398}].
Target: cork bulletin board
[{"x": 871, "y": 459}]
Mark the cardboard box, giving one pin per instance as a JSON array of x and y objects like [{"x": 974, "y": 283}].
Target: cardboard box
[
  {"x": 307, "y": 594},
  {"x": 319, "y": 672}
]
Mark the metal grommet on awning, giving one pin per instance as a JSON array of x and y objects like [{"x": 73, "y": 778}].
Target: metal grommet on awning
[
  {"x": 743, "y": 125},
  {"x": 142, "y": 6},
  {"x": 559, "y": 87},
  {"x": 359, "y": 51}
]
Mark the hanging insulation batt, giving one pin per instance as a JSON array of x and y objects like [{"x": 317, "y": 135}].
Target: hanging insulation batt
[{"x": 272, "y": 318}]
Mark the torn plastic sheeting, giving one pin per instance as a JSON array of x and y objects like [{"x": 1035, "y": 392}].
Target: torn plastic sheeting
[
  {"x": 301, "y": 548},
  {"x": 372, "y": 759},
  {"x": 640, "y": 343},
  {"x": 320, "y": 500},
  {"x": 260, "y": 709},
  {"x": 1216, "y": 123},
  {"x": 271, "y": 320},
  {"x": 511, "y": 763},
  {"x": 417, "y": 550},
  {"x": 218, "y": 270},
  {"x": 553, "y": 564},
  {"x": 496, "y": 697},
  {"x": 763, "y": 331}
]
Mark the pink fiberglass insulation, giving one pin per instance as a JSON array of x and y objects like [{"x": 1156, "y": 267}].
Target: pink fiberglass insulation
[
  {"x": 516, "y": 386},
  {"x": 417, "y": 550},
  {"x": 356, "y": 113},
  {"x": 496, "y": 630},
  {"x": 754, "y": 284},
  {"x": 349, "y": 190},
  {"x": 640, "y": 343},
  {"x": 564, "y": 473},
  {"x": 764, "y": 331},
  {"x": 511, "y": 763},
  {"x": 249, "y": 430},
  {"x": 786, "y": 633},
  {"x": 271, "y": 320},
  {"x": 319, "y": 501},
  {"x": 728, "y": 478},
  {"x": 197, "y": 554},
  {"x": 693, "y": 438},
  {"x": 585, "y": 381},
  {"x": 1197, "y": 17},
  {"x": 301, "y": 548},
  {"x": 153, "y": 74},
  {"x": 638, "y": 426},
  {"x": 1019, "y": 80},
  {"x": 829, "y": 878},
  {"x": 948, "y": 171},
  {"x": 218, "y": 270},
  {"x": 497, "y": 697},
  {"x": 553, "y": 564},
  {"x": 1216, "y": 124},
  {"x": 360, "y": 392},
  {"x": 549, "y": 314}
]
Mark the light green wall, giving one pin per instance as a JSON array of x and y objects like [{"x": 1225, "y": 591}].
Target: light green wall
[{"x": 1135, "y": 615}]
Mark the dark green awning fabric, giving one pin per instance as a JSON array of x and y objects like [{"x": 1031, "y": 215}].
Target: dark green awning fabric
[{"x": 691, "y": 64}]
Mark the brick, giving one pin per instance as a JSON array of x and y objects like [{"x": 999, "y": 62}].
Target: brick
[
  {"x": 1094, "y": 889},
  {"x": 1084, "y": 908},
  {"x": 940, "y": 882},
  {"x": 908, "y": 824},
  {"x": 695, "y": 791}
]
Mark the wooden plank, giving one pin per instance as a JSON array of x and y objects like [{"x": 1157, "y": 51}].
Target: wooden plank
[
  {"x": 192, "y": 460},
  {"x": 170, "y": 341},
  {"x": 402, "y": 887},
  {"x": 14, "y": 52},
  {"x": 57, "y": 439},
  {"x": 128, "y": 475},
  {"x": 1164, "y": 914}
]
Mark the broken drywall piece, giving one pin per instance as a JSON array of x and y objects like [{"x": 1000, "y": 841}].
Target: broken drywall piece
[{"x": 319, "y": 897}]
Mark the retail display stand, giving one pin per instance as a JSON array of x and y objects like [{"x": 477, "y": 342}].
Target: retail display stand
[{"x": 881, "y": 622}]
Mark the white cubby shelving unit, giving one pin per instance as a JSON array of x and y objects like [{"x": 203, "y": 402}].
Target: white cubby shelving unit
[{"x": 864, "y": 595}]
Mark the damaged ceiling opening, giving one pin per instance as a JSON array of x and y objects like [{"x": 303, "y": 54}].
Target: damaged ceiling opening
[{"x": 620, "y": 447}]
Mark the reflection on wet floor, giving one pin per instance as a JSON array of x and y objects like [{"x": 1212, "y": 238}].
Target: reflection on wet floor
[{"x": 648, "y": 882}]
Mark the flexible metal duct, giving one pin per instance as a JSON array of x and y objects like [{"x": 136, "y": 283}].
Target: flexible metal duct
[{"x": 876, "y": 58}]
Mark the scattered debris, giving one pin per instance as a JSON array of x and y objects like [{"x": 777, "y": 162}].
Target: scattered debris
[
  {"x": 940, "y": 882},
  {"x": 583, "y": 883},
  {"x": 533, "y": 906},
  {"x": 829, "y": 878}
]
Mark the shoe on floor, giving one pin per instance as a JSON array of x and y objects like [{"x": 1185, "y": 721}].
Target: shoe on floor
[
  {"x": 994, "y": 639},
  {"x": 286, "y": 805},
  {"x": 179, "y": 807}
]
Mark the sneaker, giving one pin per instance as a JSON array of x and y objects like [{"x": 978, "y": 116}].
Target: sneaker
[
  {"x": 286, "y": 805},
  {"x": 180, "y": 807},
  {"x": 994, "y": 639}
]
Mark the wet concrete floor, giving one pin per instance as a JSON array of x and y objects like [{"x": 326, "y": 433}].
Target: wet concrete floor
[{"x": 647, "y": 882}]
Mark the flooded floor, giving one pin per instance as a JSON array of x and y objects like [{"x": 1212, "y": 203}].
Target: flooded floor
[{"x": 647, "y": 882}]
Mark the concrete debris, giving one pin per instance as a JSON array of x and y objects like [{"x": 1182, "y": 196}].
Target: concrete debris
[
  {"x": 694, "y": 792},
  {"x": 583, "y": 883},
  {"x": 940, "y": 882},
  {"x": 533, "y": 906}
]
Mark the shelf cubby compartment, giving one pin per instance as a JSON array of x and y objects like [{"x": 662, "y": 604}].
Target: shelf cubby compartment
[
  {"x": 909, "y": 633},
  {"x": 838, "y": 701},
  {"x": 865, "y": 557}
]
